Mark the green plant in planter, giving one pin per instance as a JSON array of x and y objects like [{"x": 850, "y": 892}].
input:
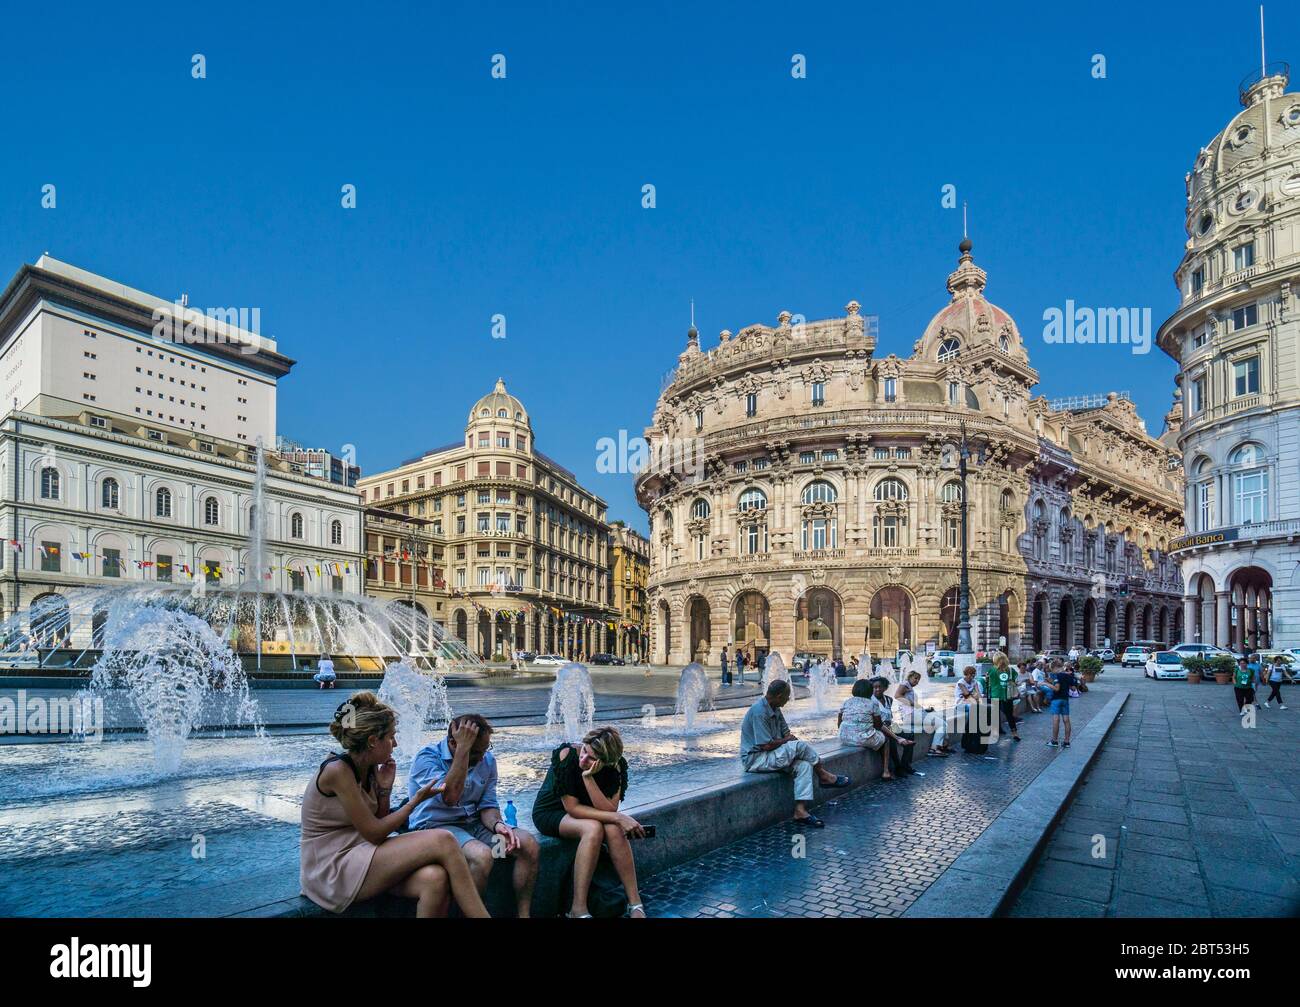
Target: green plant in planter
[
  {"x": 1222, "y": 664},
  {"x": 1196, "y": 665},
  {"x": 1090, "y": 665}
]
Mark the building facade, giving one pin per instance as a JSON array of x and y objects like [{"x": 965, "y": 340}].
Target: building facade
[
  {"x": 1236, "y": 338},
  {"x": 102, "y": 484},
  {"x": 526, "y": 546},
  {"x": 803, "y": 496},
  {"x": 317, "y": 462},
  {"x": 629, "y": 579}
]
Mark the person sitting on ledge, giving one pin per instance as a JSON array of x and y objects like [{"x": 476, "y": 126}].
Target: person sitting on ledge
[
  {"x": 768, "y": 746},
  {"x": 579, "y": 800},
  {"x": 348, "y": 853},
  {"x": 467, "y": 807},
  {"x": 865, "y": 720},
  {"x": 912, "y": 719},
  {"x": 1029, "y": 689},
  {"x": 325, "y": 676}
]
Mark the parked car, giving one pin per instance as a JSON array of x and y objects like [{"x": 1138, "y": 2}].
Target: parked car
[
  {"x": 527, "y": 656},
  {"x": 551, "y": 660},
  {"x": 942, "y": 662},
  {"x": 611, "y": 659},
  {"x": 1134, "y": 657},
  {"x": 1269, "y": 656},
  {"x": 1200, "y": 650},
  {"x": 1165, "y": 664},
  {"x": 1051, "y": 655},
  {"x": 801, "y": 661},
  {"x": 1104, "y": 654}
]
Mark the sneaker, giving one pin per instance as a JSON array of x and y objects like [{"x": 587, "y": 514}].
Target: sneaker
[
  {"x": 1281, "y": 706},
  {"x": 1266, "y": 706},
  {"x": 1053, "y": 744},
  {"x": 1065, "y": 744}
]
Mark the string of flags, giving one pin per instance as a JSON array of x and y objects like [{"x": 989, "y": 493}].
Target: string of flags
[{"x": 211, "y": 569}]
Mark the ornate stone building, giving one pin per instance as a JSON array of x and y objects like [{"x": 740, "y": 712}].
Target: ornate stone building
[
  {"x": 803, "y": 498},
  {"x": 631, "y": 574},
  {"x": 526, "y": 547},
  {"x": 1236, "y": 335}
]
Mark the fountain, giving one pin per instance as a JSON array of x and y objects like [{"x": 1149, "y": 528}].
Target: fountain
[
  {"x": 420, "y": 701},
  {"x": 694, "y": 693},
  {"x": 773, "y": 668},
  {"x": 887, "y": 670},
  {"x": 864, "y": 664},
  {"x": 172, "y": 664},
  {"x": 572, "y": 708},
  {"x": 821, "y": 680}
]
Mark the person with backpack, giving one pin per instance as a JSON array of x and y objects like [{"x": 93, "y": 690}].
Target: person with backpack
[
  {"x": 1003, "y": 690},
  {"x": 1062, "y": 682},
  {"x": 1277, "y": 674}
]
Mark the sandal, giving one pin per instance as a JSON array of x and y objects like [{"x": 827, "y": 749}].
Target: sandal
[
  {"x": 638, "y": 908},
  {"x": 580, "y": 916},
  {"x": 840, "y": 781},
  {"x": 810, "y": 820}
]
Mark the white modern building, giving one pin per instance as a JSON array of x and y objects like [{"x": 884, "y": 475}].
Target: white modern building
[
  {"x": 126, "y": 455},
  {"x": 1236, "y": 337}
]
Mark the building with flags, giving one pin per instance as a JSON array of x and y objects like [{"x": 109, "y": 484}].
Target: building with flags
[
  {"x": 128, "y": 448},
  {"x": 527, "y": 549},
  {"x": 631, "y": 574}
]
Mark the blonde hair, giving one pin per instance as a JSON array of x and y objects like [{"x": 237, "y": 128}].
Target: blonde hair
[
  {"x": 606, "y": 743},
  {"x": 361, "y": 718},
  {"x": 1001, "y": 661}
]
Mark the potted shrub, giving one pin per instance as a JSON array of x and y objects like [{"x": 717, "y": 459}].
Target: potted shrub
[
  {"x": 1195, "y": 666},
  {"x": 1223, "y": 666},
  {"x": 1089, "y": 668}
]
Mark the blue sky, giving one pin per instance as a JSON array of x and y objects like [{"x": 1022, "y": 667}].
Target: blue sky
[{"x": 522, "y": 197}]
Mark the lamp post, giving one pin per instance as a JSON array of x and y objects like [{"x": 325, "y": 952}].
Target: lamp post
[{"x": 965, "y": 648}]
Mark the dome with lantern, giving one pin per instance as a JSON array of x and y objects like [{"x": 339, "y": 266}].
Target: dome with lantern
[
  {"x": 498, "y": 405},
  {"x": 969, "y": 322}
]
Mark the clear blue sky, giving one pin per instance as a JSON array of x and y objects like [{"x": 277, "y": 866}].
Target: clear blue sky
[{"x": 522, "y": 196}]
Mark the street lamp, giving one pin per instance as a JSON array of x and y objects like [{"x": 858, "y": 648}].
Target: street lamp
[{"x": 965, "y": 648}]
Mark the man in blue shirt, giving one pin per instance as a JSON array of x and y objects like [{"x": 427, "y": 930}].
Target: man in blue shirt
[
  {"x": 468, "y": 808},
  {"x": 768, "y": 746}
]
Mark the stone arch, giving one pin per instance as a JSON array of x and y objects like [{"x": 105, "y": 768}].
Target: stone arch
[
  {"x": 892, "y": 622},
  {"x": 699, "y": 619},
  {"x": 50, "y": 620},
  {"x": 819, "y": 621}
]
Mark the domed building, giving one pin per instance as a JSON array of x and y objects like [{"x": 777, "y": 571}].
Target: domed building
[
  {"x": 803, "y": 496},
  {"x": 1236, "y": 335}
]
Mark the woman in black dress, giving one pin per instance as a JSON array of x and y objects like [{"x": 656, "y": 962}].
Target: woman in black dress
[{"x": 579, "y": 800}]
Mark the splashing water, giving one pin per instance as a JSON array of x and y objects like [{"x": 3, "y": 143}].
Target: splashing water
[
  {"x": 773, "y": 669},
  {"x": 173, "y": 666},
  {"x": 694, "y": 693},
  {"x": 821, "y": 680},
  {"x": 572, "y": 709},
  {"x": 864, "y": 664},
  {"x": 887, "y": 670},
  {"x": 420, "y": 701}
]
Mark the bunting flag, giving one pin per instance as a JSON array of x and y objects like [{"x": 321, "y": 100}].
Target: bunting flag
[{"x": 15, "y": 545}]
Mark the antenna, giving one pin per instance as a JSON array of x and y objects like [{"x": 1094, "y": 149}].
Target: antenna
[
  {"x": 1261, "y": 41},
  {"x": 963, "y": 219},
  {"x": 692, "y": 312}
]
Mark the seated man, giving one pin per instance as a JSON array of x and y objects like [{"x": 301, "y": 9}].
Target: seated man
[
  {"x": 767, "y": 746},
  {"x": 467, "y": 806}
]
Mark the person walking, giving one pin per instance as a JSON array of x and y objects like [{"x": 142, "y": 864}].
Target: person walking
[
  {"x": 740, "y": 665},
  {"x": 1243, "y": 681},
  {"x": 726, "y": 674},
  {"x": 1003, "y": 690},
  {"x": 1277, "y": 674},
  {"x": 1062, "y": 682}
]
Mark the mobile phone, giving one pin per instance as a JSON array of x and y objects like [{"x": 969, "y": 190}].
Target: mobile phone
[{"x": 649, "y": 831}]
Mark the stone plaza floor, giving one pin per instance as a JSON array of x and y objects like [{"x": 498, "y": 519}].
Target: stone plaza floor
[{"x": 1199, "y": 815}]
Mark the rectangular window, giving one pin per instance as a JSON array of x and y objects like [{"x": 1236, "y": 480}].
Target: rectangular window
[
  {"x": 1205, "y": 505},
  {"x": 162, "y": 569},
  {"x": 1198, "y": 281},
  {"x": 1250, "y": 496},
  {"x": 751, "y": 404},
  {"x": 1197, "y": 401},
  {"x": 503, "y": 441},
  {"x": 213, "y": 572},
  {"x": 699, "y": 419},
  {"x": 112, "y": 563},
  {"x": 1245, "y": 376},
  {"x": 819, "y": 393},
  {"x": 954, "y": 390},
  {"x": 484, "y": 468},
  {"x": 891, "y": 389},
  {"x": 1243, "y": 256},
  {"x": 297, "y": 580},
  {"x": 1245, "y": 316},
  {"x": 807, "y": 457},
  {"x": 51, "y": 558},
  {"x": 483, "y": 522}
]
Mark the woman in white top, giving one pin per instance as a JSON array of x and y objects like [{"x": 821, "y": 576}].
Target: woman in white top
[
  {"x": 865, "y": 720},
  {"x": 911, "y": 716}
]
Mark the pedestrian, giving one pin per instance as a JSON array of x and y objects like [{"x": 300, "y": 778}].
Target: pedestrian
[
  {"x": 1002, "y": 688},
  {"x": 726, "y": 674},
  {"x": 740, "y": 665},
  {"x": 1277, "y": 674},
  {"x": 1243, "y": 681},
  {"x": 1062, "y": 683}
]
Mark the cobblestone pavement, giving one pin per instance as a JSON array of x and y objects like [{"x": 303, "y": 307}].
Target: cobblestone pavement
[
  {"x": 883, "y": 846},
  {"x": 1198, "y": 815}
]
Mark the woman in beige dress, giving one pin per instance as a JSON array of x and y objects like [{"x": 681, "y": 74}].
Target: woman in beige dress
[{"x": 348, "y": 853}]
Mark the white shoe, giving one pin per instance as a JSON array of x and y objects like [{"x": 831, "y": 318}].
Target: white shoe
[
  {"x": 1281, "y": 706},
  {"x": 1266, "y": 706}
]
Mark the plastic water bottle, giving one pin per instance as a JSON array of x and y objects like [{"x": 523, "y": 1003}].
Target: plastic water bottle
[{"x": 512, "y": 816}]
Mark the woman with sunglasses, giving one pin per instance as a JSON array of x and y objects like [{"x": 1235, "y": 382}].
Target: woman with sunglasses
[
  {"x": 579, "y": 800},
  {"x": 347, "y": 852}
]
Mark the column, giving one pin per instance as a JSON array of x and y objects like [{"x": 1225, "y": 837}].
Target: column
[
  {"x": 1222, "y": 624},
  {"x": 492, "y": 635},
  {"x": 1189, "y": 617}
]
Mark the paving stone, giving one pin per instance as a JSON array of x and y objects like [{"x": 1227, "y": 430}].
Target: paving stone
[
  {"x": 1135, "y": 904},
  {"x": 1058, "y": 877},
  {"x": 1046, "y": 904}
]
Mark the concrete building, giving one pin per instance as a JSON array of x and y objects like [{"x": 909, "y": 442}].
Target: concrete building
[
  {"x": 630, "y": 575},
  {"x": 125, "y": 456},
  {"x": 527, "y": 547},
  {"x": 317, "y": 462},
  {"x": 803, "y": 498},
  {"x": 1236, "y": 338},
  {"x": 406, "y": 563}
]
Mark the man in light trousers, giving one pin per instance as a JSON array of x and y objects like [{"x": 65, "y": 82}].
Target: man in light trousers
[{"x": 767, "y": 746}]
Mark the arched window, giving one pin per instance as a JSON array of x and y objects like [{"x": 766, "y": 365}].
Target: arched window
[
  {"x": 819, "y": 491},
  {"x": 1040, "y": 535},
  {"x": 1008, "y": 504},
  {"x": 948, "y": 350},
  {"x": 295, "y": 525},
  {"x": 951, "y": 492},
  {"x": 700, "y": 508},
  {"x": 336, "y": 533},
  {"x": 1203, "y": 496},
  {"x": 109, "y": 494},
  {"x": 891, "y": 489},
  {"x": 1249, "y": 485},
  {"x": 211, "y": 511},
  {"x": 162, "y": 502},
  {"x": 49, "y": 483},
  {"x": 1004, "y": 344},
  {"x": 753, "y": 499}
]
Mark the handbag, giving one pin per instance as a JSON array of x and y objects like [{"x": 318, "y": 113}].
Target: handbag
[{"x": 606, "y": 897}]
